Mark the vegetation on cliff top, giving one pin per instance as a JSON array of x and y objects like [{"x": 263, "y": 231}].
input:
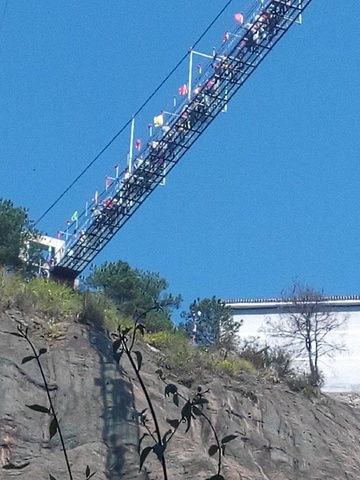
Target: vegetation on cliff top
[{"x": 115, "y": 293}]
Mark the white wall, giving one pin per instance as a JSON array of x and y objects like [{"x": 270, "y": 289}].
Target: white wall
[{"x": 342, "y": 372}]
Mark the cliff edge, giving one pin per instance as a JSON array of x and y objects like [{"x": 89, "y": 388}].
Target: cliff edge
[{"x": 281, "y": 435}]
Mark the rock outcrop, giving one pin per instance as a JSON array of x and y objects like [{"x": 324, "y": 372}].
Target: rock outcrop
[{"x": 280, "y": 434}]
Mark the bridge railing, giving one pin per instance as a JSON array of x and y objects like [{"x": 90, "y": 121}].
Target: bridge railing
[{"x": 250, "y": 43}]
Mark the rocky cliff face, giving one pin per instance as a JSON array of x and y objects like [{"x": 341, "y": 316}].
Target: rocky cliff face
[{"x": 281, "y": 435}]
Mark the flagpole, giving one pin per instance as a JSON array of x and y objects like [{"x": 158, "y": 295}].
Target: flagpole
[
  {"x": 190, "y": 73},
  {"x": 171, "y": 113},
  {"x": 226, "y": 99},
  {"x": 86, "y": 208},
  {"x": 205, "y": 55},
  {"x": 164, "y": 178},
  {"x": 131, "y": 143},
  {"x": 116, "y": 171}
]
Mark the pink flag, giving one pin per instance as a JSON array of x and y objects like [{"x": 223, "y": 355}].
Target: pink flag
[
  {"x": 107, "y": 182},
  {"x": 138, "y": 144},
  {"x": 199, "y": 67},
  {"x": 183, "y": 90},
  {"x": 239, "y": 17},
  {"x": 226, "y": 37}
]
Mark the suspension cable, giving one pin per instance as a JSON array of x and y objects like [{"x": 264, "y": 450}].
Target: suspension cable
[{"x": 55, "y": 202}]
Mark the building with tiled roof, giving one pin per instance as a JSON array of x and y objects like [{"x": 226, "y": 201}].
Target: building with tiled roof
[{"x": 341, "y": 371}]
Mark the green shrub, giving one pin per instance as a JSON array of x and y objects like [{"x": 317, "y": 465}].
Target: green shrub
[
  {"x": 305, "y": 383},
  {"x": 99, "y": 310},
  {"x": 12, "y": 290},
  {"x": 179, "y": 354},
  {"x": 233, "y": 366},
  {"x": 52, "y": 329},
  {"x": 165, "y": 339},
  {"x": 53, "y": 299},
  {"x": 92, "y": 310},
  {"x": 255, "y": 355},
  {"x": 158, "y": 322},
  {"x": 268, "y": 358},
  {"x": 114, "y": 319}
]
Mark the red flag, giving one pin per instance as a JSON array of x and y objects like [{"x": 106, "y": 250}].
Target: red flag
[
  {"x": 107, "y": 182},
  {"x": 183, "y": 90},
  {"x": 239, "y": 17},
  {"x": 138, "y": 144},
  {"x": 199, "y": 67},
  {"x": 226, "y": 37}
]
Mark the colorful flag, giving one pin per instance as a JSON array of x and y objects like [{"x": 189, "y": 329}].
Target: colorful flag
[
  {"x": 226, "y": 37},
  {"x": 159, "y": 120},
  {"x": 199, "y": 67},
  {"x": 183, "y": 90},
  {"x": 58, "y": 235},
  {"x": 107, "y": 182},
  {"x": 138, "y": 144},
  {"x": 49, "y": 255},
  {"x": 239, "y": 17},
  {"x": 75, "y": 216}
]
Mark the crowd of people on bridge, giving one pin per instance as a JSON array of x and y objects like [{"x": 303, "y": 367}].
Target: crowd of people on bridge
[
  {"x": 149, "y": 166},
  {"x": 264, "y": 24}
]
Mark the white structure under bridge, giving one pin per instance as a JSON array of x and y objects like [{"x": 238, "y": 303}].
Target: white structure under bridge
[{"x": 342, "y": 370}]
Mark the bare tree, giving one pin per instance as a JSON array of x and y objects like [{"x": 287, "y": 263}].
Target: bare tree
[{"x": 305, "y": 327}]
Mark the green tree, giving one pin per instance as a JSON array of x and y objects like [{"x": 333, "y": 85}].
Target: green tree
[
  {"x": 210, "y": 322},
  {"x": 136, "y": 291},
  {"x": 15, "y": 230}
]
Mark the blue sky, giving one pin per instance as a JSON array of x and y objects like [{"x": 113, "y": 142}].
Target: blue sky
[{"x": 269, "y": 193}]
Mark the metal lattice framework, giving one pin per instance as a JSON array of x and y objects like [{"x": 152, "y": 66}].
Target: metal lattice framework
[{"x": 249, "y": 45}]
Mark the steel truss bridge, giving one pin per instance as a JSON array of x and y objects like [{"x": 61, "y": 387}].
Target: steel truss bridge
[{"x": 246, "y": 48}]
